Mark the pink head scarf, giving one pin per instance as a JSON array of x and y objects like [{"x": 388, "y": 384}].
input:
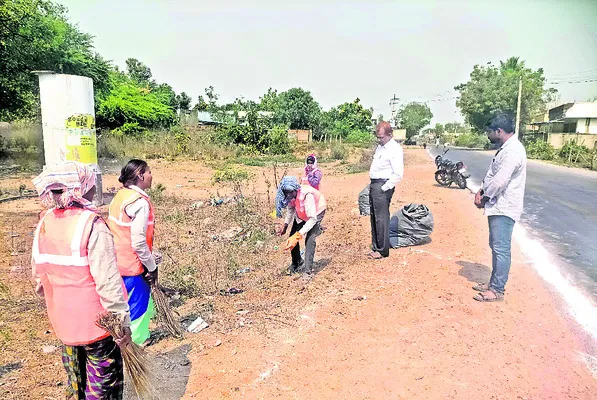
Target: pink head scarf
[{"x": 62, "y": 185}]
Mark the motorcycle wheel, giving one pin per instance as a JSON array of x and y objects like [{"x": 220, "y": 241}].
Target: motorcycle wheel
[
  {"x": 461, "y": 181},
  {"x": 441, "y": 177}
]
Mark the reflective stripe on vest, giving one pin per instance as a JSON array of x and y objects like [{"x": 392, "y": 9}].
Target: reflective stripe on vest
[
  {"x": 320, "y": 203},
  {"x": 61, "y": 262},
  {"x": 120, "y": 226}
]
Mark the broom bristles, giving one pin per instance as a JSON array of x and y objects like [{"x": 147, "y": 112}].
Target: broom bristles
[
  {"x": 165, "y": 314},
  {"x": 135, "y": 359}
]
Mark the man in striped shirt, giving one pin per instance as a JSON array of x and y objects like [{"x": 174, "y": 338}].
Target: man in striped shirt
[{"x": 502, "y": 196}]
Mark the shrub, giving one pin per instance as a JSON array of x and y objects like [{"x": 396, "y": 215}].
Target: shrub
[
  {"x": 541, "y": 150},
  {"x": 275, "y": 141},
  {"x": 360, "y": 138},
  {"x": 572, "y": 151},
  {"x": 130, "y": 129},
  {"x": 233, "y": 176},
  {"x": 339, "y": 152},
  {"x": 471, "y": 140}
]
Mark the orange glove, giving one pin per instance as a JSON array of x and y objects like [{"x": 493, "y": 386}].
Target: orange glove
[{"x": 292, "y": 241}]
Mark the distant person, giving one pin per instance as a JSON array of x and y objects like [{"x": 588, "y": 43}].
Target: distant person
[
  {"x": 425, "y": 146},
  {"x": 132, "y": 224},
  {"x": 502, "y": 195},
  {"x": 306, "y": 208},
  {"x": 74, "y": 266},
  {"x": 385, "y": 172},
  {"x": 313, "y": 174},
  {"x": 437, "y": 142}
]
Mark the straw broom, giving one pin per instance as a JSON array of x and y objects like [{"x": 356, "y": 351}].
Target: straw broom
[
  {"x": 165, "y": 314},
  {"x": 136, "y": 363}
]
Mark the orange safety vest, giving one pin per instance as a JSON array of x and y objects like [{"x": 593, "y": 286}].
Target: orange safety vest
[
  {"x": 61, "y": 262},
  {"x": 320, "y": 203},
  {"x": 120, "y": 226}
]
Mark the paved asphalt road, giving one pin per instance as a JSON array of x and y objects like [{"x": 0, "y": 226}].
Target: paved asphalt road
[{"x": 560, "y": 210}]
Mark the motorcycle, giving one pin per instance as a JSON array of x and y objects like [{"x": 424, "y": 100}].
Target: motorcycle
[
  {"x": 449, "y": 172},
  {"x": 440, "y": 158}
]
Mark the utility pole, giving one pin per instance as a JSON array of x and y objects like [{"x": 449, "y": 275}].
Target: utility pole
[
  {"x": 517, "y": 128},
  {"x": 393, "y": 103}
]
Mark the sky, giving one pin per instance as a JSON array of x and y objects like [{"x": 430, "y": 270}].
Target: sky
[{"x": 341, "y": 50}]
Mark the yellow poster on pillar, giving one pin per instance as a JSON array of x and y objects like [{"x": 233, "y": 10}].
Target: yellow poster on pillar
[{"x": 81, "y": 141}]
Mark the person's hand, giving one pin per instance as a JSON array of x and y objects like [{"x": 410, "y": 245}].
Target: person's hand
[
  {"x": 157, "y": 256},
  {"x": 125, "y": 340},
  {"x": 39, "y": 289},
  {"x": 479, "y": 199},
  {"x": 283, "y": 230},
  {"x": 151, "y": 276},
  {"x": 293, "y": 241}
]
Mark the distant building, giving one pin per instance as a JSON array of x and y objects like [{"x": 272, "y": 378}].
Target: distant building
[{"x": 567, "y": 121}]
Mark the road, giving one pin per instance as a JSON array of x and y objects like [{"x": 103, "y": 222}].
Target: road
[{"x": 560, "y": 210}]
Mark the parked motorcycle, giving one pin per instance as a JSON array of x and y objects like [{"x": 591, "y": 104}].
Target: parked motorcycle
[
  {"x": 449, "y": 172},
  {"x": 440, "y": 158}
]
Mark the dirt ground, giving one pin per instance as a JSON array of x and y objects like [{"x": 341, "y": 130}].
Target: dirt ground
[{"x": 405, "y": 327}]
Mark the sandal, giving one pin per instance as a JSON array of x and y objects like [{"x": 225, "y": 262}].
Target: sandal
[
  {"x": 484, "y": 299},
  {"x": 481, "y": 287}
]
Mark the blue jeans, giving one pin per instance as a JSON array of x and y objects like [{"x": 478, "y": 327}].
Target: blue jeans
[{"x": 500, "y": 241}]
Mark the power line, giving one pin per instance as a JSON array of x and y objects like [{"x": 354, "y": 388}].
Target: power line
[
  {"x": 576, "y": 81},
  {"x": 567, "y": 74}
]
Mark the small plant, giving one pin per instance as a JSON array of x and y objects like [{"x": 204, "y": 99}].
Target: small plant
[
  {"x": 232, "y": 176},
  {"x": 182, "y": 139},
  {"x": 339, "y": 152}
]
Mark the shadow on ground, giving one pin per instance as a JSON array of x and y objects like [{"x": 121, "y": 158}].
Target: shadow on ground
[
  {"x": 474, "y": 272},
  {"x": 320, "y": 265},
  {"x": 171, "y": 372}
]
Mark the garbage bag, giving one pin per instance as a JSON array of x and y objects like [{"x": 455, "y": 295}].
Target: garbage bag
[
  {"x": 364, "y": 207},
  {"x": 411, "y": 226}
]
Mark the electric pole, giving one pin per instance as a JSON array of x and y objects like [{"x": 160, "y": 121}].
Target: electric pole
[
  {"x": 517, "y": 128},
  {"x": 393, "y": 103}
]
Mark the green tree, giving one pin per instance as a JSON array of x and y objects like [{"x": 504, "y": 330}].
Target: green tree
[
  {"x": 439, "y": 129},
  {"x": 138, "y": 72},
  {"x": 36, "y": 35},
  {"x": 492, "y": 89},
  {"x": 184, "y": 101},
  {"x": 414, "y": 116},
  {"x": 201, "y": 104},
  {"x": 166, "y": 95},
  {"x": 297, "y": 109},
  {"x": 129, "y": 103}
]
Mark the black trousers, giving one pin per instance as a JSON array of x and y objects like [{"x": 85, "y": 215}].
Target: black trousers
[
  {"x": 310, "y": 245},
  {"x": 380, "y": 217}
]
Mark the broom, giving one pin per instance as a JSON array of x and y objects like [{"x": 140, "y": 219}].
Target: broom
[
  {"x": 165, "y": 314},
  {"x": 135, "y": 359}
]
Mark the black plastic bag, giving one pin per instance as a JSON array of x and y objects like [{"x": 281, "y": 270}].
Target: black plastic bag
[{"x": 411, "y": 226}]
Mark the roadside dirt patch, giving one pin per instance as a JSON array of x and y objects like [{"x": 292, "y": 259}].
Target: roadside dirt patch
[{"x": 404, "y": 327}]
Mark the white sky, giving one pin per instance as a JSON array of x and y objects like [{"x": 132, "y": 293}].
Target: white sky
[{"x": 340, "y": 50}]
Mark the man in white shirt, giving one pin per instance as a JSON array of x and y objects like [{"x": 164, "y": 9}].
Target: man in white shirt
[
  {"x": 387, "y": 169},
  {"x": 502, "y": 197}
]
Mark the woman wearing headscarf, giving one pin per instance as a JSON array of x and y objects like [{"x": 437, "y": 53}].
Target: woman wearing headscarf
[
  {"x": 305, "y": 210},
  {"x": 74, "y": 266},
  {"x": 132, "y": 224},
  {"x": 313, "y": 174}
]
